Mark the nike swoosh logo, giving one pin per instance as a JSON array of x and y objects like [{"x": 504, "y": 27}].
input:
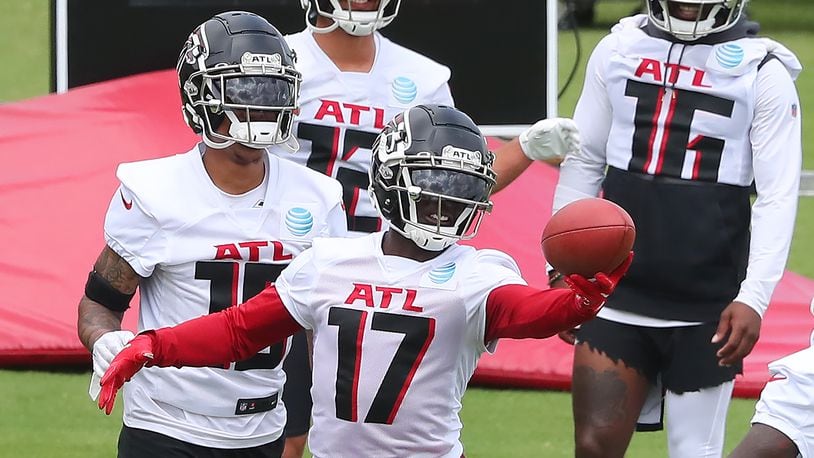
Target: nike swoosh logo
[
  {"x": 777, "y": 377},
  {"x": 127, "y": 205}
]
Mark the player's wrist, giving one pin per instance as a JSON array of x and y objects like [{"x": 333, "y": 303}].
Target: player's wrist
[
  {"x": 754, "y": 304},
  {"x": 99, "y": 336},
  {"x": 112, "y": 337},
  {"x": 146, "y": 343},
  {"x": 555, "y": 279},
  {"x": 587, "y": 306}
]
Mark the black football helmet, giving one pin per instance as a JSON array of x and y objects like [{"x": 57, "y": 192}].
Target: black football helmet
[
  {"x": 237, "y": 66},
  {"x": 692, "y": 19},
  {"x": 354, "y": 22},
  {"x": 431, "y": 176}
]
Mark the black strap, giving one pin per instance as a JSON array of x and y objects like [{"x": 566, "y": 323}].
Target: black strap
[{"x": 99, "y": 290}]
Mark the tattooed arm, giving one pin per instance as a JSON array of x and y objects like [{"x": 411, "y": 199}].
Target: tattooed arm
[{"x": 94, "y": 318}]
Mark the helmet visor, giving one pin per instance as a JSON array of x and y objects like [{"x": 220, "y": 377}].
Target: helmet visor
[
  {"x": 255, "y": 91},
  {"x": 451, "y": 183},
  {"x": 444, "y": 203}
]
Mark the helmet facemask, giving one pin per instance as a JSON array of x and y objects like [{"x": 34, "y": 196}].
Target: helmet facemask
[
  {"x": 690, "y": 20},
  {"x": 442, "y": 204},
  {"x": 354, "y": 22},
  {"x": 258, "y": 97}
]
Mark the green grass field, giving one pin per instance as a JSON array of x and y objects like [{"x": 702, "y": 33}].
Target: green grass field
[{"x": 48, "y": 413}]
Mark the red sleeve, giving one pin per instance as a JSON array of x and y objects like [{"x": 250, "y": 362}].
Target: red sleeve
[
  {"x": 233, "y": 334},
  {"x": 519, "y": 312}
]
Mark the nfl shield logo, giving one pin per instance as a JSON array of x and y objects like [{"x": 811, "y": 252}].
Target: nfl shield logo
[{"x": 793, "y": 110}]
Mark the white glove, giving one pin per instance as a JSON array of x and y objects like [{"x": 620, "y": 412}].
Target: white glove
[
  {"x": 550, "y": 139},
  {"x": 104, "y": 350}
]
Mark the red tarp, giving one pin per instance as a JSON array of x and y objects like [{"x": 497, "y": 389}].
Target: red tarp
[{"x": 59, "y": 156}]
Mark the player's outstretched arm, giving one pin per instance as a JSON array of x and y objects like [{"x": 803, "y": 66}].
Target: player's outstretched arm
[
  {"x": 230, "y": 335},
  {"x": 519, "y": 312}
]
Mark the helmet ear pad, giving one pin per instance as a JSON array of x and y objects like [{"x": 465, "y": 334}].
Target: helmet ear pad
[{"x": 387, "y": 200}]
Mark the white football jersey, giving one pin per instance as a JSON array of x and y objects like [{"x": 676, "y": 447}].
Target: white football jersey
[
  {"x": 709, "y": 116},
  {"x": 341, "y": 113},
  {"x": 199, "y": 255},
  {"x": 679, "y": 109},
  {"x": 395, "y": 343}
]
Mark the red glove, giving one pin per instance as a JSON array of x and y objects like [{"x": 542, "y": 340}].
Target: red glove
[
  {"x": 135, "y": 355},
  {"x": 592, "y": 294}
]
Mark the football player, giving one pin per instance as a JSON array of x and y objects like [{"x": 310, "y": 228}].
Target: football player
[
  {"x": 682, "y": 110},
  {"x": 202, "y": 231},
  {"x": 401, "y": 317},
  {"x": 355, "y": 80},
  {"x": 782, "y": 426}
]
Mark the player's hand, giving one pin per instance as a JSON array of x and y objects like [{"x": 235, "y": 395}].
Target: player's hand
[
  {"x": 104, "y": 350},
  {"x": 550, "y": 139},
  {"x": 107, "y": 347},
  {"x": 592, "y": 294},
  {"x": 739, "y": 329},
  {"x": 130, "y": 360}
]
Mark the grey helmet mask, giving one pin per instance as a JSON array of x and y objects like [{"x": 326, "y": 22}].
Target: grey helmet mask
[
  {"x": 237, "y": 67},
  {"x": 431, "y": 176},
  {"x": 711, "y": 16},
  {"x": 353, "y": 22}
]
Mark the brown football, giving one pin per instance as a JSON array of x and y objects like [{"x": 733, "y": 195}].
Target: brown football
[{"x": 588, "y": 236}]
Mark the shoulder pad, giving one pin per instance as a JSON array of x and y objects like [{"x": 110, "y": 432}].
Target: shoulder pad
[
  {"x": 151, "y": 182},
  {"x": 497, "y": 258}
]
